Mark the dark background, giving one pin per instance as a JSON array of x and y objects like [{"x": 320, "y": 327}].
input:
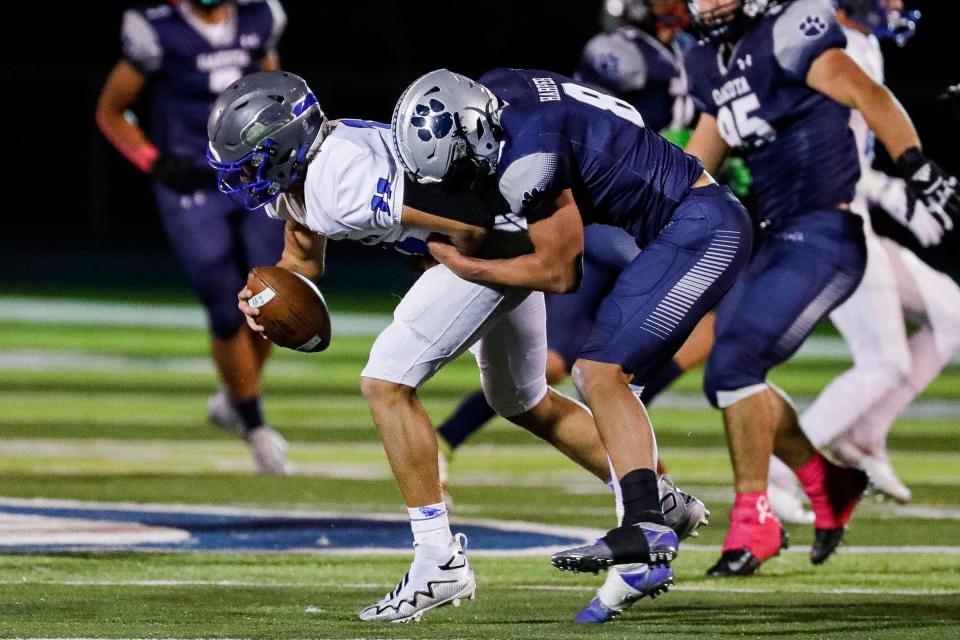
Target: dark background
[{"x": 77, "y": 212}]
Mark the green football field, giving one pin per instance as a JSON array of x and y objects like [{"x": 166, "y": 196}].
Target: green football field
[{"x": 94, "y": 411}]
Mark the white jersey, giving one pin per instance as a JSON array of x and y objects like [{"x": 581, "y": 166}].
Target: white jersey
[
  {"x": 353, "y": 189},
  {"x": 864, "y": 49}
]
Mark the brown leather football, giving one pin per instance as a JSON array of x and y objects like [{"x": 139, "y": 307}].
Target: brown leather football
[{"x": 292, "y": 310}]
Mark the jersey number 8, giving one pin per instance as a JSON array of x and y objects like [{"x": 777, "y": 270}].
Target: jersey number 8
[{"x": 603, "y": 101}]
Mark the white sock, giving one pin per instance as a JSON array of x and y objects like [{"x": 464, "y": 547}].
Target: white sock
[{"x": 430, "y": 525}]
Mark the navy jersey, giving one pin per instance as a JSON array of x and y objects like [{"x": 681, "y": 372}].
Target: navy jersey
[
  {"x": 636, "y": 66},
  {"x": 188, "y": 63},
  {"x": 796, "y": 141},
  {"x": 559, "y": 134}
]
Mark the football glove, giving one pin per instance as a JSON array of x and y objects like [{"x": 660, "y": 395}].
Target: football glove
[
  {"x": 929, "y": 184},
  {"x": 890, "y": 194}
]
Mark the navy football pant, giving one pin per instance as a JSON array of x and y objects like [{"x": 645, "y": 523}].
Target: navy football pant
[
  {"x": 570, "y": 316},
  {"x": 681, "y": 275},
  {"x": 217, "y": 243},
  {"x": 801, "y": 270}
]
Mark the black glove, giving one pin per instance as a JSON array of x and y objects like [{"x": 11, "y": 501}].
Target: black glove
[
  {"x": 929, "y": 184},
  {"x": 181, "y": 174}
]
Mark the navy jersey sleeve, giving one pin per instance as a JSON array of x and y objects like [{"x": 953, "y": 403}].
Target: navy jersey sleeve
[
  {"x": 531, "y": 182},
  {"x": 695, "y": 63},
  {"x": 141, "y": 44},
  {"x": 803, "y": 31}
]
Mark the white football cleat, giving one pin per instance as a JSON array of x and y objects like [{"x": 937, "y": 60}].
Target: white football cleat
[
  {"x": 220, "y": 413},
  {"x": 884, "y": 479},
  {"x": 269, "y": 450},
  {"x": 786, "y": 495},
  {"x": 438, "y": 576},
  {"x": 788, "y": 505}
]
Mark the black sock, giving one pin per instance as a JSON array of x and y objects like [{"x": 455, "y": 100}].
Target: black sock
[
  {"x": 641, "y": 497},
  {"x": 662, "y": 378},
  {"x": 250, "y": 412},
  {"x": 472, "y": 414}
]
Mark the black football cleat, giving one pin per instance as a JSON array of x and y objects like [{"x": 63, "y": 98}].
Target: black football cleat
[
  {"x": 741, "y": 562},
  {"x": 643, "y": 542},
  {"x": 825, "y": 542},
  {"x": 736, "y": 562}
]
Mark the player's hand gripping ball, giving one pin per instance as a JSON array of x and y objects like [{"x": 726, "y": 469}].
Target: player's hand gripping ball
[{"x": 292, "y": 310}]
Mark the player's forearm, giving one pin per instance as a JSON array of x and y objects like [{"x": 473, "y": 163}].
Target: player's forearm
[
  {"x": 128, "y": 138},
  {"x": 304, "y": 252},
  {"x": 527, "y": 272},
  {"x": 888, "y": 120},
  {"x": 706, "y": 144},
  {"x": 120, "y": 92}
]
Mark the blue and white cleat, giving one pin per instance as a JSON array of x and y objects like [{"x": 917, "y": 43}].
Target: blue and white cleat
[
  {"x": 644, "y": 542},
  {"x": 625, "y": 585}
]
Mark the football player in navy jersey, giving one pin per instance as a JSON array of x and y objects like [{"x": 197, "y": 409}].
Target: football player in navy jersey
[
  {"x": 641, "y": 62},
  {"x": 187, "y": 52},
  {"x": 774, "y": 83},
  {"x": 566, "y": 156}
]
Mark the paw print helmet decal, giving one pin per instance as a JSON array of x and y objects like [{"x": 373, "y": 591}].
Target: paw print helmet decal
[{"x": 444, "y": 118}]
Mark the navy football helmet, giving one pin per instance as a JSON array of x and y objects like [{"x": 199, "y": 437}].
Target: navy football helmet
[
  {"x": 886, "y": 19},
  {"x": 725, "y": 20},
  {"x": 262, "y": 130}
]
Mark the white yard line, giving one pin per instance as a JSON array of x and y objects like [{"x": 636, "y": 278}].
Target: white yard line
[
  {"x": 92, "y": 312},
  {"x": 791, "y": 588},
  {"x": 74, "y": 311}
]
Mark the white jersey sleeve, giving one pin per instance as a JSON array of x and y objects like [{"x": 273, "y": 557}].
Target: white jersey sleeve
[
  {"x": 354, "y": 187},
  {"x": 875, "y": 188}
]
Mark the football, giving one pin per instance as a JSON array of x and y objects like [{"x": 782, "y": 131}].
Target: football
[{"x": 292, "y": 310}]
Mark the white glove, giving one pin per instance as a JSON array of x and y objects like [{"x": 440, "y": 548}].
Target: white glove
[
  {"x": 890, "y": 194},
  {"x": 928, "y": 228}
]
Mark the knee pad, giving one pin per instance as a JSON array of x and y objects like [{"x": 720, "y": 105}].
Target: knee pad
[
  {"x": 509, "y": 400},
  {"x": 731, "y": 375},
  {"x": 223, "y": 318}
]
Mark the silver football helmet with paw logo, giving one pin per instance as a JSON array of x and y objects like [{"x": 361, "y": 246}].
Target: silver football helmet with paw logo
[{"x": 444, "y": 118}]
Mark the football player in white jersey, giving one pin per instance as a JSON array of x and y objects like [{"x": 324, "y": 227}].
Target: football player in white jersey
[
  {"x": 853, "y": 415},
  {"x": 339, "y": 180}
]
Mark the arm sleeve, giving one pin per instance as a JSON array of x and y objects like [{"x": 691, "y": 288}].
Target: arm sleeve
[
  {"x": 803, "y": 31},
  {"x": 531, "y": 183},
  {"x": 613, "y": 63},
  {"x": 478, "y": 206},
  {"x": 141, "y": 45}
]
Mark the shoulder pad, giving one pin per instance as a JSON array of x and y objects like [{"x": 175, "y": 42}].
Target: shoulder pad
[
  {"x": 804, "y": 30},
  {"x": 528, "y": 180},
  {"x": 613, "y": 61}
]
